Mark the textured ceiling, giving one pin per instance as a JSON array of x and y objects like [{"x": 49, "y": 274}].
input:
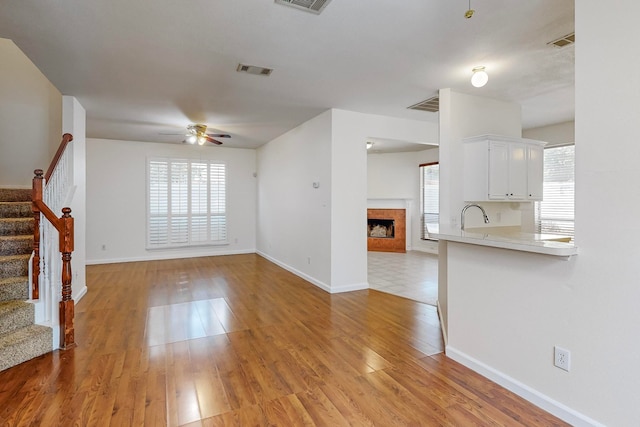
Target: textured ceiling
[{"x": 145, "y": 68}]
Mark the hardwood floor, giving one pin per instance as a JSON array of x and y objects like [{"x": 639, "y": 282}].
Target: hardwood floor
[{"x": 238, "y": 341}]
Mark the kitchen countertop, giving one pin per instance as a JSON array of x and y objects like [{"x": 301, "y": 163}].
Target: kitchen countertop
[{"x": 507, "y": 238}]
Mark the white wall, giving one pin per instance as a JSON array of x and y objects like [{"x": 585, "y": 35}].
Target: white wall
[
  {"x": 397, "y": 176},
  {"x": 116, "y": 199},
  {"x": 329, "y": 149},
  {"x": 30, "y": 118},
  {"x": 558, "y": 134},
  {"x": 508, "y": 309},
  {"x": 294, "y": 218},
  {"x": 74, "y": 121},
  {"x": 349, "y": 190}
]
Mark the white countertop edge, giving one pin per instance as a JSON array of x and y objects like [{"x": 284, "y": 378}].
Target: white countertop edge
[{"x": 544, "y": 247}]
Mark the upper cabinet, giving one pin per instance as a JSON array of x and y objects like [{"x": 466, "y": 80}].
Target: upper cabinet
[{"x": 499, "y": 168}]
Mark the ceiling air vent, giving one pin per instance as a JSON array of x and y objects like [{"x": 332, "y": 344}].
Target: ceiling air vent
[
  {"x": 432, "y": 105},
  {"x": 252, "y": 69},
  {"x": 564, "y": 41},
  {"x": 313, "y": 6}
]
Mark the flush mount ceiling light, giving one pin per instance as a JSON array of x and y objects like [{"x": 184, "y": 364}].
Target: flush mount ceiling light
[
  {"x": 479, "y": 77},
  {"x": 369, "y": 145}
]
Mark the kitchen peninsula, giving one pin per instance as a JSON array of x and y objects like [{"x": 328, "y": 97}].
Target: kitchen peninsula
[{"x": 507, "y": 238}]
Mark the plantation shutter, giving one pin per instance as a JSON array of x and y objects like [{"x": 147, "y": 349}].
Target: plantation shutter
[{"x": 186, "y": 203}]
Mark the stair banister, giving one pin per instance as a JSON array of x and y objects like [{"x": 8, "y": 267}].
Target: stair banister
[{"x": 64, "y": 225}]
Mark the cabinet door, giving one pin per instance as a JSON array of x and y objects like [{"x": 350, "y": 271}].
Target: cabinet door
[
  {"x": 517, "y": 172},
  {"x": 498, "y": 170},
  {"x": 535, "y": 171}
]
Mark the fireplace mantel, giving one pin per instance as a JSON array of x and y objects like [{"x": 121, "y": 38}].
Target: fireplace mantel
[{"x": 389, "y": 203}]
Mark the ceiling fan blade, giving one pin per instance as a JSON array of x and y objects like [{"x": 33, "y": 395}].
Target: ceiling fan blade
[
  {"x": 213, "y": 140},
  {"x": 219, "y": 135}
]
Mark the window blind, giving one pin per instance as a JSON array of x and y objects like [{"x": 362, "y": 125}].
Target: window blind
[
  {"x": 186, "y": 203},
  {"x": 430, "y": 196},
  {"x": 555, "y": 213}
]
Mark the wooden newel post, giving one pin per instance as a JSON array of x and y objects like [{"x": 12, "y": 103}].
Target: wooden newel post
[
  {"x": 66, "y": 305},
  {"x": 36, "y": 194}
]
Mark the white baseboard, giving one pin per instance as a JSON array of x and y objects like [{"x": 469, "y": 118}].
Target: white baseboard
[
  {"x": 535, "y": 397},
  {"x": 82, "y": 293},
  {"x": 350, "y": 288},
  {"x": 297, "y": 272},
  {"x": 159, "y": 256},
  {"x": 314, "y": 281}
]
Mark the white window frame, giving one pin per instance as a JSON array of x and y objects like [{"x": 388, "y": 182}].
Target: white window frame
[
  {"x": 194, "y": 231},
  {"x": 558, "y": 217},
  {"x": 428, "y": 217}
]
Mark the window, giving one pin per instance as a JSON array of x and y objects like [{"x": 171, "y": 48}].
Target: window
[
  {"x": 186, "y": 203},
  {"x": 430, "y": 194},
  {"x": 555, "y": 214}
]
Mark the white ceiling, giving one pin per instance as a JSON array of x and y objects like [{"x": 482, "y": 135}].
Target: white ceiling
[{"x": 143, "y": 68}]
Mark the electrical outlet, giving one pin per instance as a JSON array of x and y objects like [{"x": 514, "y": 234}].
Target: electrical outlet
[
  {"x": 308, "y": 260},
  {"x": 562, "y": 358}
]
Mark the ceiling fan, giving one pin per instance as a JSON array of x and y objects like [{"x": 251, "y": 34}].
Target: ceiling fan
[{"x": 197, "y": 133}]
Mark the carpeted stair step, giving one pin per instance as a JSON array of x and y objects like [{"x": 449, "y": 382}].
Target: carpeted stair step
[
  {"x": 16, "y": 226},
  {"x": 15, "y": 210},
  {"x": 14, "y": 288},
  {"x": 15, "y": 315},
  {"x": 15, "y": 194},
  {"x": 14, "y": 265},
  {"x": 24, "y": 344},
  {"x": 16, "y": 245}
]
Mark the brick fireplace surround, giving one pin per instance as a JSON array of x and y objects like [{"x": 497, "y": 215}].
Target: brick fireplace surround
[{"x": 385, "y": 244}]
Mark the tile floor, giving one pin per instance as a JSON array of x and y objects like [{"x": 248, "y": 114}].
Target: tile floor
[{"x": 412, "y": 275}]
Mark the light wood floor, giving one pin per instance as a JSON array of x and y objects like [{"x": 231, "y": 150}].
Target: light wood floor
[{"x": 237, "y": 341}]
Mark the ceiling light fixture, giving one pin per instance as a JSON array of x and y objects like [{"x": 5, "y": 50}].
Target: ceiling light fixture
[
  {"x": 369, "y": 145},
  {"x": 479, "y": 77},
  {"x": 469, "y": 13}
]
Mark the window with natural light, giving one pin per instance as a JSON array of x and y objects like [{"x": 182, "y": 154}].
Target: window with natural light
[
  {"x": 555, "y": 214},
  {"x": 429, "y": 194},
  {"x": 186, "y": 203}
]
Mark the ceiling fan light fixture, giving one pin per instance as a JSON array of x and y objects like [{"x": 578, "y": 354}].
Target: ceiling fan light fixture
[
  {"x": 191, "y": 139},
  {"x": 201, "y": 140},
  {"x": 479, "y": 77}
]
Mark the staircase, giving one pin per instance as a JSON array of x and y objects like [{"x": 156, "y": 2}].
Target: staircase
[{"x": 20, "y": 338}]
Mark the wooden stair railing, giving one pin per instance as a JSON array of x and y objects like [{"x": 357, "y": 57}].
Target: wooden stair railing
[{"x": 64, "y": 225}]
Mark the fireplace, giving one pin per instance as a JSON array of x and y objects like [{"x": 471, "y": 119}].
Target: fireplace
[
  {"x": 386, "y": 230},
  {"x": 382, "y": 228}
]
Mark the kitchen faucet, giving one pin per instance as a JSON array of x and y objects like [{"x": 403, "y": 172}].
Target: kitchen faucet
[{"x": 484, "y": 214}]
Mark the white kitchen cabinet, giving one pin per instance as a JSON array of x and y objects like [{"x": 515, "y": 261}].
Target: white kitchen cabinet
[
  {"x": 535, "y": 171},
  {"x": 499, "y": 168}
]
